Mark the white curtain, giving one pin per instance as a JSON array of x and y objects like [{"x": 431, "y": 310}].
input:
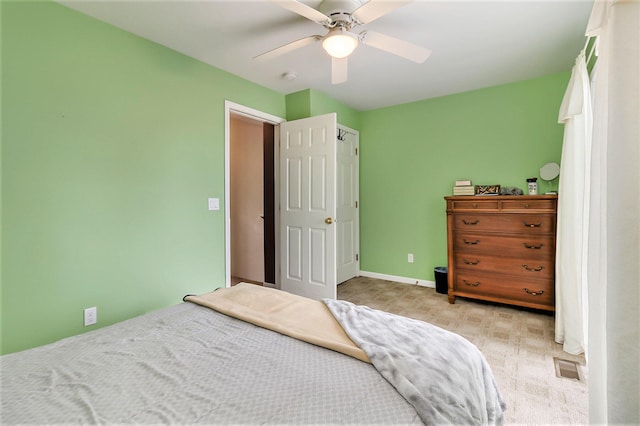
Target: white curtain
[
  {"x": 573, "y": 211},
  {"x": 613, "y": 246}
]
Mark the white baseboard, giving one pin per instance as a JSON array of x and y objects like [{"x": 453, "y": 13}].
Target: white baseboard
[{"x": 396, "y": 278}]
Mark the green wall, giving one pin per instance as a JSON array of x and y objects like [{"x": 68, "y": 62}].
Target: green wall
[
  {"x": 412, "y": 154},
  {"x": 308, "y": 103},
  {"x": 322, "y": 104},
  {"x": 1, "y": 186},
  {"x": 298, "y": 105},
  {"x": 111, "y": 145}
]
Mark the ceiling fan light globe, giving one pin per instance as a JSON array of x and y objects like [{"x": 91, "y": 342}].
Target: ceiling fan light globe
[{"x": 340, "y": 44}]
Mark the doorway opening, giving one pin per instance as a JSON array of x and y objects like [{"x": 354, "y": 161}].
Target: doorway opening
[
  {"x": 251, "y": 184},
  {"x": 250, "y": 194}
]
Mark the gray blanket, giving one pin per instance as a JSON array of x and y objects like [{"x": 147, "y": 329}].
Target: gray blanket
[
  {"x": 443, "y": 375},
  {"x": 188, "y": 365}
]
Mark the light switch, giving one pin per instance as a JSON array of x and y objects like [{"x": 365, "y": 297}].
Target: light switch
[{"x": 214, "y": 204}]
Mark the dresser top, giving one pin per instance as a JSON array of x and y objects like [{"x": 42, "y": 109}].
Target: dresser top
[{"x": 501, "y": 197}]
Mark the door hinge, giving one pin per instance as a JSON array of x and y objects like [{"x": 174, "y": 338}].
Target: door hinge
[
  {"x": 356, "y": 204},
  {"x": 356, "y": 151},
  {"x": 357, "y": 257}
]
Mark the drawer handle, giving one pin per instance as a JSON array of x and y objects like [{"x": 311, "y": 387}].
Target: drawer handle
[
  {"x": 470, "y": 284},
  {"x": 475, "y": 205},
  {"x": 471, "y": 243},
  {"x": 468, "y": 222},
  {"x": 528, "y": 268},
  {"x": 532, "y": 225},
  {"x": 526, "y": 206},
  {"x": 530, "y": 246},
  {"x": 470, "y": 262},
  {"x": 534, "y": 293}
]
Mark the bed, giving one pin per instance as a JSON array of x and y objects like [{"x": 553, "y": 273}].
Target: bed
[{"x": 253, "y": 355}]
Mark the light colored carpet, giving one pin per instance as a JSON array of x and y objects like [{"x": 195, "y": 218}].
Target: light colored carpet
[{"x": 517, "y": 343}]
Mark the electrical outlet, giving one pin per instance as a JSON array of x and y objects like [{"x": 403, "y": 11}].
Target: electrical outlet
[
  {"x": 90, "y": 316},
  {"x": 410, "y": 258}
]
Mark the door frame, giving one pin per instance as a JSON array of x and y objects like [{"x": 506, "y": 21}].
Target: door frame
[
  {"x": 356, "y": 135},
  {"x": 229, "y": 108}
]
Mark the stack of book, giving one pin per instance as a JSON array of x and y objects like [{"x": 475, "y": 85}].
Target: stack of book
[{"x": 463, "y": 187}]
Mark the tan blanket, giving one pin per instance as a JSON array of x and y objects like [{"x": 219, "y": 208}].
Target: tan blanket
[{"x": 294, "y": 316}]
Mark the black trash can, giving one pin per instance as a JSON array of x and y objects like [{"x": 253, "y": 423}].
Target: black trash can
[{"x": 442, "y": 286}]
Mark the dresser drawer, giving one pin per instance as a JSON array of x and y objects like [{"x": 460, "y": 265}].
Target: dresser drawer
[
  {"x": 525, "y": 224},
  {"x": 529, "y": 204},
  {"x": 543, "y": 269},
  {"x": 530, "y": 247},
  {"x": 498, "y": 287},
  {"x": 476, "y": 204}
]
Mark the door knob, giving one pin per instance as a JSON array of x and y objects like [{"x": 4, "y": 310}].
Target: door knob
[{"x": 328, "y": 221}]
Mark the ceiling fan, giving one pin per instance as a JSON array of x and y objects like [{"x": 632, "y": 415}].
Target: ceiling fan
[{"x": 340, "y": 17}]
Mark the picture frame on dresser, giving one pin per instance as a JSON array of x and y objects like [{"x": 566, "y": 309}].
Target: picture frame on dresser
[{"x": 502, "y": 249}]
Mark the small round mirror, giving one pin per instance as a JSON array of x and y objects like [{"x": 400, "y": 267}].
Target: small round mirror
[{"x": 549, "y": 171}]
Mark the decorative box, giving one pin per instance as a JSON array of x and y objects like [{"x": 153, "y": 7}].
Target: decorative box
[{"x": 487, "y": 189}]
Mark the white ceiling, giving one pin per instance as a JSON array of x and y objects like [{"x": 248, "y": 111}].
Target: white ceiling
[{"x": 475, "y": 43}]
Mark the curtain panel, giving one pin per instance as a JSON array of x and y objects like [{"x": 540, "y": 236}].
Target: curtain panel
[{"x": 573, "y": 211}]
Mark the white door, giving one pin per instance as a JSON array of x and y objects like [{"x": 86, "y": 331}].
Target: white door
[
  {"x": 348, "y": 264},
  {"x": 308, "y": 206}
]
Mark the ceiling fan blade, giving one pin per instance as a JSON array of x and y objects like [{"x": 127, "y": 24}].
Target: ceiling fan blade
[
  {"x": 393, "y": 45},
  {"x": 304, "y": 10},
  {"x": 339, "y": 70},
  {"x": 374, "y": 9},
  {"x": 289, "y": 47}
]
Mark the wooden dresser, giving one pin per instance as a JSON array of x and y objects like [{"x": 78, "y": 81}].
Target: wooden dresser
[{"x": 502, "y": 249}]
